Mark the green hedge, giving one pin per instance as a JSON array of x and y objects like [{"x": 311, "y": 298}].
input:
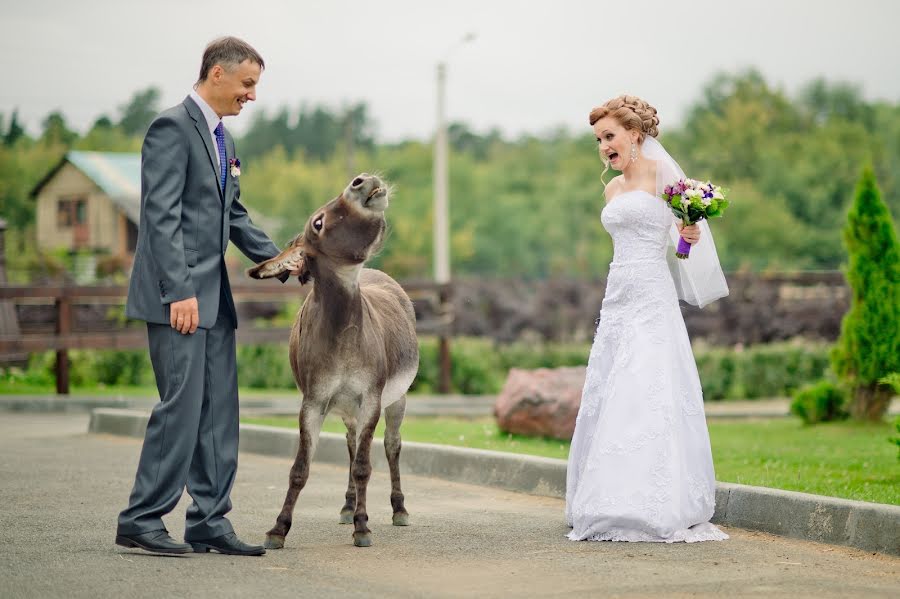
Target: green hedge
[
  {"x": 479, "y": 367},
  {"x": 771, "y": 370}
]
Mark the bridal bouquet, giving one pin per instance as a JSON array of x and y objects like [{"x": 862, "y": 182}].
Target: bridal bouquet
[{"x": 692, "y": 201}]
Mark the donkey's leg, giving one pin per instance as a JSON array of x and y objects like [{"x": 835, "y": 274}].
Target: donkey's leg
[
  {"x": 310, "y": 425},
  {"x": 350, "y": 502},
  {"x": 393, "y": 416},
  {"x": 361, "y": 470}
]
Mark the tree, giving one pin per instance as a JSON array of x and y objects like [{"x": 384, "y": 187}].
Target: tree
[
  {"x": 138, "y": 113},
  {"x": 103, "y": 122},
  {"x": 463, "y": 139},
  {"x": 836, "y": 100},
  {"x": 318, "y": 132},
  {"x": 869, "y": 346},
  {"x": 15, "y": 130},
  {"x": 56, "y": 131}
]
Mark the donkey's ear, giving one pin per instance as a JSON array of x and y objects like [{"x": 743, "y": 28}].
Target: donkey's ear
[{"x": 291, "y": 259}]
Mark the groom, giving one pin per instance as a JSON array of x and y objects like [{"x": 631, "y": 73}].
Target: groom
[{"x": 190, "y": 209}]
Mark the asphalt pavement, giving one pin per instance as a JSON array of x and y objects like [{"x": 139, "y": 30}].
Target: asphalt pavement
[{"x": 61, "y": 488}]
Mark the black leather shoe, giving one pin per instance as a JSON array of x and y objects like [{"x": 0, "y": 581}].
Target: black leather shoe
[
  {"x": 157, "y": 541},
  {"x": 228, "y": 544}
]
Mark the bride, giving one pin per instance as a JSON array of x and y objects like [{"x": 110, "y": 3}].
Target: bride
[{"x": 640, "y": 466}]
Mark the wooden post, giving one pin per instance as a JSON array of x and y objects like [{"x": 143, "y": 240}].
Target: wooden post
[
  {"x": 63, "y": 327},
  {"x": 445, "y": 382}
]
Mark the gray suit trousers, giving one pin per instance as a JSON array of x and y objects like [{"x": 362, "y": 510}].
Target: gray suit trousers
[{"x": 192, "y": 436}]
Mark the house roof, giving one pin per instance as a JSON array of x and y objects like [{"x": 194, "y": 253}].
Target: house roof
[{"x": 118, "y": 174}]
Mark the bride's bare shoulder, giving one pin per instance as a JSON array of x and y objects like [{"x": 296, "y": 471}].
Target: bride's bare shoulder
[{"x": 613, "y": 188}]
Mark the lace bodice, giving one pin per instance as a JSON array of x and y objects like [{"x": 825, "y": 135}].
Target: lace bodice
[{"x": 639, "y": 225}]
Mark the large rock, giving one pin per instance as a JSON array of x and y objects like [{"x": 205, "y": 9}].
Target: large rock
[{"x": 540, "y": 402}]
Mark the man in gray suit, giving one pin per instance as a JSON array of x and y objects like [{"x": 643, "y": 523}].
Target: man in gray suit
[{"x": 190, "y": 209}]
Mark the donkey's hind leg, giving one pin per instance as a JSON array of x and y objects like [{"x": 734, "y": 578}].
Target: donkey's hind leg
[
  {"x": 310, "y": 425},
  {"x": 393, "y": 417},
  {"x": 361, "y": 470},
  {"x": 350, "y": 497}
]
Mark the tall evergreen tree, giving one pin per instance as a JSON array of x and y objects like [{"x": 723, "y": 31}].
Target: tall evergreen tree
[
  {"x": 869, "y": 346},
  {"x": 15, "y": 130}
]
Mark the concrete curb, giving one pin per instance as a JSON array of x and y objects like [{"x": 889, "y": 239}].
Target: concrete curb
[
  {"x": 868, "y": 526},
  {"x": 459, "y": 406}
]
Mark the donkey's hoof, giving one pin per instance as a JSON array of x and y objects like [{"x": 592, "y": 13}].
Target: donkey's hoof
[
  {"x": 362, "y": 539},
  {"x": 401, "y": 519},
  {"x": 274, "y": 542},
  {"x": 347, "y": 517}
]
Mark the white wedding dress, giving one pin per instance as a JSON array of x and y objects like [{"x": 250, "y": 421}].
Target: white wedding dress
[{"x": 640, "y": 466}]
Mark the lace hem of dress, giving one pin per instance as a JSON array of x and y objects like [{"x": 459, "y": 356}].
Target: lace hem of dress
[{"x": 694, "y": 534}]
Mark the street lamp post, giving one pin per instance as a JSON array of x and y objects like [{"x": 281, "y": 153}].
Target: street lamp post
[{"x": 442, "y": 211}]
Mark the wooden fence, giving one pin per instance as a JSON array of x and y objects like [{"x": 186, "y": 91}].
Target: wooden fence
[{"x": 66, "y": 337}]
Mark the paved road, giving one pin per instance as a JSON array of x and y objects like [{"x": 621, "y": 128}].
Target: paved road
[{"x": 60, "y": 491}]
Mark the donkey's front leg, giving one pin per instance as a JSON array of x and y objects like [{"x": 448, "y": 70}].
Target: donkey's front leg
[
  {"x": 350, "y": 498},
  {"x": 362, "y": 466},
  {"x": 310, "y": 425}
]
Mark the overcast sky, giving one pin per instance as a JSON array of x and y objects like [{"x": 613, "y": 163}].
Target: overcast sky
[{"x": 535, "y": 64}]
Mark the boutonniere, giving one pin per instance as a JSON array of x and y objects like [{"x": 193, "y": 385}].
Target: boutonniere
[{"x": 235, "y": 167}]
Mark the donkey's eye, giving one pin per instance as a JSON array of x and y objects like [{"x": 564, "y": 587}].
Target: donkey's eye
[{"x": 317, "y": 224}]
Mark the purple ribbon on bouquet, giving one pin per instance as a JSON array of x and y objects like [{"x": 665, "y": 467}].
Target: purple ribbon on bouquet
[{"x": 683, "y": 250}]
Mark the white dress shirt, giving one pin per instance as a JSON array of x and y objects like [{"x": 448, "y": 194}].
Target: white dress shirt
[{"x": 212, "y": 121}]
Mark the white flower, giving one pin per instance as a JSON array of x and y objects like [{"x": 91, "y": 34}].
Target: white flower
[
  {"x": 685, "y": 203},
  {"x": 717, "y": 194},
  {"x": 706, "y": 201}
]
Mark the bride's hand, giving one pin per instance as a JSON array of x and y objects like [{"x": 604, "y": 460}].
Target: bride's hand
[{"x": 691, "y": 234}]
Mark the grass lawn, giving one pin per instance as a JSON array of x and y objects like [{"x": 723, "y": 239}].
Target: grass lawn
[
  {"x": 26, "y": 388},
  {"x": 844, "y": 459}
]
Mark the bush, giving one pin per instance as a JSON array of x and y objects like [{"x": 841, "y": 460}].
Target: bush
[
  {"x": 265, "y": 367},
  {"x": 893, "y": 380},
  {"x": 479, "y": 366},
  {"x": 869, "y": 345},
  {"x": 772, "y": 370},
  {"x": 821, "y": 402},
  {"x": 426, "y": 380},
  {"x": 122, "y": 368},
  {"x": 718, "y": 373}
]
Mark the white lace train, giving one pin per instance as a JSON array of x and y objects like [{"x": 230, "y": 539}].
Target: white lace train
[{"x": 640, "y": 466}]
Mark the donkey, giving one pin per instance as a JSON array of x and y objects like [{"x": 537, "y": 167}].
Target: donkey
[{"x": 353, "y": 347}]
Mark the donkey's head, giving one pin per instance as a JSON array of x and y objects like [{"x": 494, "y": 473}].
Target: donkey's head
[{"x": 344, "y": 232}]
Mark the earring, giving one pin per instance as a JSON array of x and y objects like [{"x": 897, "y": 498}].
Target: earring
[{"x": 633, "y": 153}]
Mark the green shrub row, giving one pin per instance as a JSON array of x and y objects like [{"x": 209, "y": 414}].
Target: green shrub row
[
  {"x": 479, "y": 366},
  {"x": 771, "y": 370}
]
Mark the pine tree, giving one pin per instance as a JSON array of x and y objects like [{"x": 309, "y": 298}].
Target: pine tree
[
  {"x": 15, "y": 130},
  {"x": 869, "y": 346}
]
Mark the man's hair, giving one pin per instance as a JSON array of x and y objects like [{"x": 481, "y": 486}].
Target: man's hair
[{"x": 228, "y": 52}]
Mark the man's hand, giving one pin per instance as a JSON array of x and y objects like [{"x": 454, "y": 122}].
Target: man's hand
[
  {"x": 691, "y": 234},
  {"x": 184, "y": 315}
]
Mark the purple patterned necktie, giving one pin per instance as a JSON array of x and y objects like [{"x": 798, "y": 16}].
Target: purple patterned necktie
[{"x": 220, "y": 142}]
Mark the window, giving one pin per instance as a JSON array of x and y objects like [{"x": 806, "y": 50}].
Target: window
[{"x": 71, "y": 212}]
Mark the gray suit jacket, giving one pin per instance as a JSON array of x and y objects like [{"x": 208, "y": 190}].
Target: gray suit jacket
[{"x": 186, "y": 220}]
